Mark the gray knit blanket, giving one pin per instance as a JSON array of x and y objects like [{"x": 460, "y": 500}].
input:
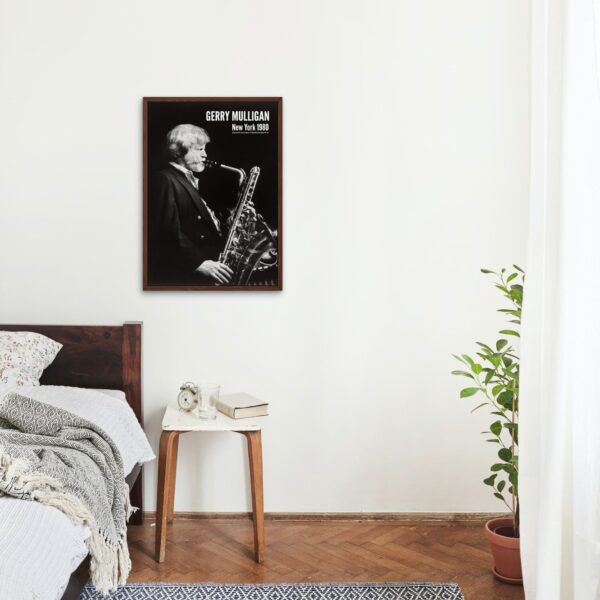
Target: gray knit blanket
[{"x": 59, "y": 459}]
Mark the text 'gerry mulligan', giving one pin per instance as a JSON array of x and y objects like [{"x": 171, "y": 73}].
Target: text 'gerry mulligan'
[{"x": 237, "y": 115}]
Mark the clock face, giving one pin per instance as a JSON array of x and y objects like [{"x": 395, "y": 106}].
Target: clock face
[{"x": 187, "y": 399}]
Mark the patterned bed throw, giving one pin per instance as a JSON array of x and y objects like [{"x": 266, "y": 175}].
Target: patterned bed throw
[{"x": 59, "y": 459}]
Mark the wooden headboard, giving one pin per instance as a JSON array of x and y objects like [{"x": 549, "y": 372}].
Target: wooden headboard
[{"x": 95, "y": 356}]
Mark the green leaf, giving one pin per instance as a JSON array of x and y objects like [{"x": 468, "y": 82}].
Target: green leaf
[
  {"x": 497, "y": 389},
  {"x": 488, "y": 376},
  {"x": 496, "y": 441},
  {"x": 513, "y": 429},
  {"x": 513, "y": 477},
  {"x": 511, "y": 277},
  {"x": 509, "y": 332},
  {"x": 490, "y": 480},
  {"x": 501, "y": 485},
  {"x": 505, "y": 454},
  {"x": 468, "y": 359},
  {"x": 496, "y": 359},
  {"x": 487, "y": 271},
  {"x": 516, "y": 293},
  {"x": 462, "y": 360},
  {"x": 478, "y": 407},
  {"x": 496, "y": 427},
  {"x": 505, "y": 399},
  {"x": 510, "y": 311},
  {"x": 484, "y": 346},
  {"x": 463, "y": 373},
  {"x": 467, "y": 392},
  {"x": 476, "y": 368},
  {"x": 500, "y": 344},
  {"x": 497, "y": 467},
  {"x": 519, "y": 269},
  {"x": 499, "y": 496}
]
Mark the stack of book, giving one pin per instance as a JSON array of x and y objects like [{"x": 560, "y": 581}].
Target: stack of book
[{"x": 242, "y": 406}]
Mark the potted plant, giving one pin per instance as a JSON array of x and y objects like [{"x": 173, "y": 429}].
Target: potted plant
[{"x": 494, "y": 378}]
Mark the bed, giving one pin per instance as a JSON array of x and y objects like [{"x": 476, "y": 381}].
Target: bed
[{"x": 97, "y": 359}]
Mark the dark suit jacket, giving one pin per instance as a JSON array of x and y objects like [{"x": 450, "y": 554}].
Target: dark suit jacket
[{"x": 181, "y": 231}]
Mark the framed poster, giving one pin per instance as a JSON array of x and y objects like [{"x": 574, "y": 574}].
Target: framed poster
[{"x": 212, "y": 194}]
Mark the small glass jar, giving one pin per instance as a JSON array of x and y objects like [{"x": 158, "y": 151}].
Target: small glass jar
[{"x": 207, "y": 401}]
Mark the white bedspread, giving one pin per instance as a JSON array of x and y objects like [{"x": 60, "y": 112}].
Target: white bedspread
[
  {"x": 39, "y": 546},
  {"x": 39, "y": 549}
]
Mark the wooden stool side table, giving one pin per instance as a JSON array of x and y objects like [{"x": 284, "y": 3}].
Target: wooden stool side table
[{"x": 174, "y": 424}]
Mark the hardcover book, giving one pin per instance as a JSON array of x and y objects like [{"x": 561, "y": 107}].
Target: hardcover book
[{"x": 242, "y": 406}]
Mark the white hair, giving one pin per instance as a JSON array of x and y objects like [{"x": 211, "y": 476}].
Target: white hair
[{"x": 182, "y": 137}]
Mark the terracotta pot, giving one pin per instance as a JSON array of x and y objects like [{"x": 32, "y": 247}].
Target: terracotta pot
[{"x": 505, "y": 549}]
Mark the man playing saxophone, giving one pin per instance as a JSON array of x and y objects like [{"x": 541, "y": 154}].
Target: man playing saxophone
[{"x": 186, "y": 234}]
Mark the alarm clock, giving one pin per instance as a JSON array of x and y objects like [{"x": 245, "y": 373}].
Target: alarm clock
[{"x": 188, "y": 396}]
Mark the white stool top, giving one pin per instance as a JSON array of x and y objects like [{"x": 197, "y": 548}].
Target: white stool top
[{"x": 177, "y": 420}]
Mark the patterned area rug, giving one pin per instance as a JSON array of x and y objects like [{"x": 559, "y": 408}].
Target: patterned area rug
[{"x": 299, "y": 591}]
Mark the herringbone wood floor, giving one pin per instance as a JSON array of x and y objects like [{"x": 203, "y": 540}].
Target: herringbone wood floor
[{"x": 220, "y": 550}]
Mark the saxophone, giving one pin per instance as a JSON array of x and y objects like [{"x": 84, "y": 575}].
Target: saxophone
[{"x": 251, "y": 245}]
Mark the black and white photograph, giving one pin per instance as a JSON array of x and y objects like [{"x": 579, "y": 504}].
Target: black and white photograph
[{"x": 212, "y": 194}]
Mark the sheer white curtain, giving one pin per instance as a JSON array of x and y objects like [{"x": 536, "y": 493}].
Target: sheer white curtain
[{"x": 560, "y": 391}]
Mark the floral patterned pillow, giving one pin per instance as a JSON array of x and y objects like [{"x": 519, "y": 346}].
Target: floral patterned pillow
[{"x": 24, "y": 355}]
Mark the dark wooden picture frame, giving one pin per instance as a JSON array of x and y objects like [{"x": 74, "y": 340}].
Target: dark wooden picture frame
[{"x": 245, "y": 135}]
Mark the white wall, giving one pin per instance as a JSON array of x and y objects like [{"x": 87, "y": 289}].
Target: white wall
[{"x": 405, "y": 170}]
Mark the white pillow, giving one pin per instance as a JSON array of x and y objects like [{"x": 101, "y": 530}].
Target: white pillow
[{"x": 24, "y": 355}]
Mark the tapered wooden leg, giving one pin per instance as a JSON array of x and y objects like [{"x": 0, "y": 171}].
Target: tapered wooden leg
[
  {"x": 173, "y": 471},
  {"x": 254, "y": 440},
  {"x": 166, "y": 468}
]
